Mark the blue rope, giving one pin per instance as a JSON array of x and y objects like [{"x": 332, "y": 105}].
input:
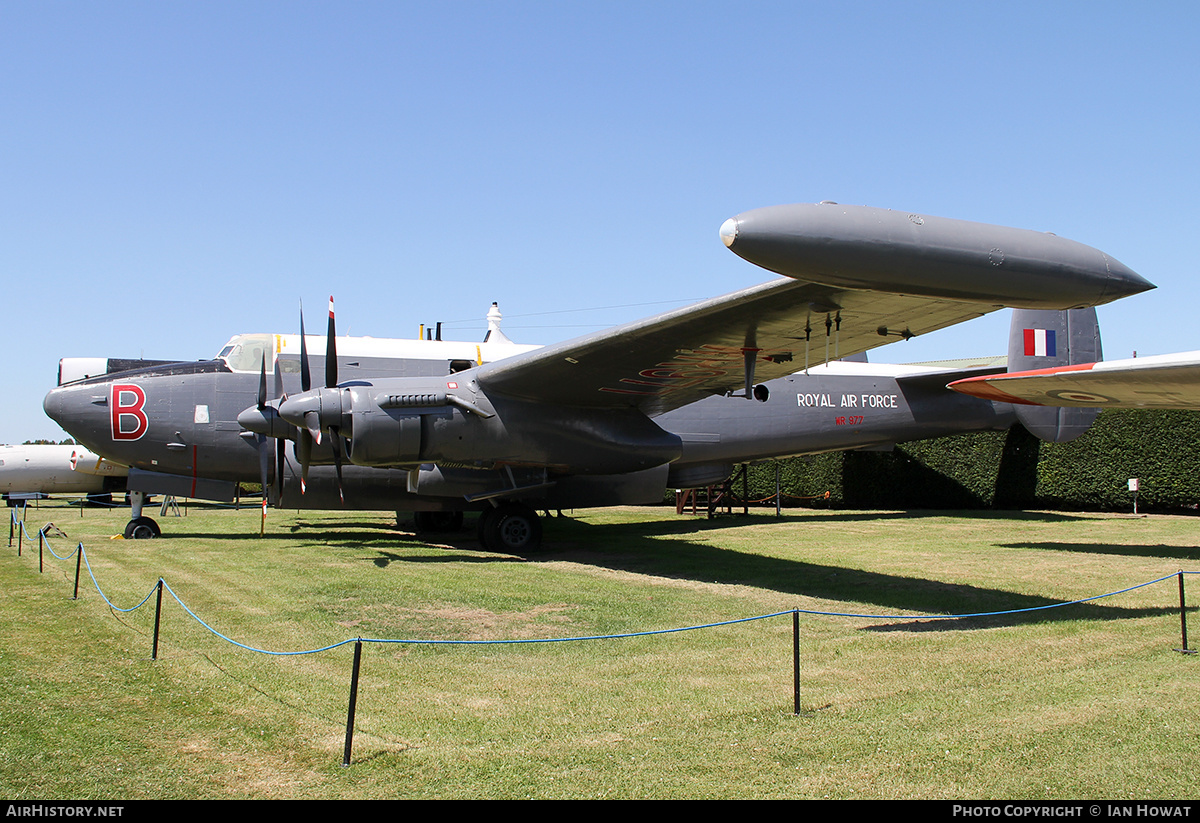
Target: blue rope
[
  {"x": 103, "y": 596},
  {"x": 989, "y": 614},
  {"x": 80, "y": 548},
  {"x": 46, "y": 542},
  {"x": 570, "y": 639},
  {"x": 677, "y": 630},
  {"x": 195, "y": 617}
]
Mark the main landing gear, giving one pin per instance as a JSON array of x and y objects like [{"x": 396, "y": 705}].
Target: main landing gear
[
  {"x": 510, "y": 527},
  {"x": 139, "y": 527}
]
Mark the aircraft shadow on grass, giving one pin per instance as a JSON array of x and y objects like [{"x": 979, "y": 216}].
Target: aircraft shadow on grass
[
  {"x": 1156, "y": 550},
  {"x": 637, "y": 548},
  {"x": 914, "y": 514}
]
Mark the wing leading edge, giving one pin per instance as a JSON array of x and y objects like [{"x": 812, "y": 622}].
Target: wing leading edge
[{"x": 667, "y": 361}]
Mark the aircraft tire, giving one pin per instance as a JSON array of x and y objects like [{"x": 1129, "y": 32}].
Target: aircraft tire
[
  {"x": 514, "y": 528},
  {"x": 142, "y": 528},
  {"x": 485, "y": 529}
]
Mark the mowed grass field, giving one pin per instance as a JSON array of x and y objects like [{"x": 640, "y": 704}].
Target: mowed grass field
[{"x": 1086, "y": 701}]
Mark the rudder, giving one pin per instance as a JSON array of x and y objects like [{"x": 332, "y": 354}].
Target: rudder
[{"x": 1040, "y": 339}]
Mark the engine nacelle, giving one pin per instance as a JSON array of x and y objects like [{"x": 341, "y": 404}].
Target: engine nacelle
[
  {"x": 384, "y": 438},
  {"x": 408, "y": 421},
  {"x": 387, "y": 422}
]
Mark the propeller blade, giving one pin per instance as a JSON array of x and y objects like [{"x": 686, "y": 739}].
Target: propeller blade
[
  {"x": 331, "y": 367},
  {"x": 280, "y": 464},
  {"x": 305, "y": 374},
  {"x": 312, "y": 420},
  {"x": 264, "y": 469},
  {"x": 262, "y": 384},
  {"x": 335, "y": 441},
  {"x": 327, "y": 403},
  {"x": 304, "y": 454},
  {"x": 264, "y": 462},
  {"x": 279, "y": 395}
]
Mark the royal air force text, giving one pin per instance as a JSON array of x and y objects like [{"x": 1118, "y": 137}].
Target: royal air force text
[{"x": 848, "y": 401}]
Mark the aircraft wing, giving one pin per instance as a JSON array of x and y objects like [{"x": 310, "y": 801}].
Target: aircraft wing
[
  {"x": 862, "y": 277},
  {"x": 1166, "y": 382},
  {"x": 672, "y": 359}
]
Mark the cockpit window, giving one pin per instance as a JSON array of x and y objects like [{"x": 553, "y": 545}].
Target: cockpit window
[{"x": 246, "y": 351}]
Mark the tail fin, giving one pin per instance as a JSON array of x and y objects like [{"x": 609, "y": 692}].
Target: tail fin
[{"x": 1045, "y": 339}]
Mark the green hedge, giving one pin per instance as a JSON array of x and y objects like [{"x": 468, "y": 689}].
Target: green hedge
[{"x": 1009, "y": 470}]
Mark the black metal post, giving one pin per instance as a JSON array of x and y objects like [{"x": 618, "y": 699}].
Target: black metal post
[
  {"x": 157, "y": 616},
  {"x": 41, "y": 542},
  {"x": 353, "y": 702},
  {"x": 1183, "y": 616},
  {"x": 20, "y": 537},
  {"x": 795, "y": 661},
  {"x": 78, "y": 563},
  {"x": 12, "y": 520},
  {"x": 778, "y": 491}
]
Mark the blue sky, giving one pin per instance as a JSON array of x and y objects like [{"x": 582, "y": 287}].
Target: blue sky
[{"x": 173, "y": 173}]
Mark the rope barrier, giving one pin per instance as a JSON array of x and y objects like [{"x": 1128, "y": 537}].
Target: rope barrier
[
  {"x": 160, "y": 585},
  {"x": 581, "y": 638}
]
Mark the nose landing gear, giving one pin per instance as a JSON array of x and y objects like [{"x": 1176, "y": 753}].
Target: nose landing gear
[{"x": 139, "y": 527}]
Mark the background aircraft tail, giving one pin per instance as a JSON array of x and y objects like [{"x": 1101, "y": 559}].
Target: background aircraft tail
[{"x": 1047, "y": 339}]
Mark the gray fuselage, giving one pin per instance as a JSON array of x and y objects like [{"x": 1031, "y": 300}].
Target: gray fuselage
[{"x": 181, "y": 419}]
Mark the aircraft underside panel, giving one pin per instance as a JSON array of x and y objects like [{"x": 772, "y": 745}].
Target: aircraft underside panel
[
  {"x": 197, "y": 488},
  {"x": 592, "y": 491},
  {"x": 430, "y": 489}
]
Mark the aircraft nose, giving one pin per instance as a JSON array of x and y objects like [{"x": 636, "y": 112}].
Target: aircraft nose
[
  {"x": 52, "y": 404},
  {"x": 80, "y": 411}
]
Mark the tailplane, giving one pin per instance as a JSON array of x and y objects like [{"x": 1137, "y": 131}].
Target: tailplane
[{"x": 1048, "y": 339}]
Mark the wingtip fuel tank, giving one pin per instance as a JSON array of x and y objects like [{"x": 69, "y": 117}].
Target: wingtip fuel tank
[{"x": 861, "y": 247}]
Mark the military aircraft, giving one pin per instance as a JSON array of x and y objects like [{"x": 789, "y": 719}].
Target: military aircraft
[
  {"x": 1168, "y": 381},
  {"x": 612, "y": 417},
  {"x": 34, "y": 470},
  {"x": 835, "y": 406}
]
